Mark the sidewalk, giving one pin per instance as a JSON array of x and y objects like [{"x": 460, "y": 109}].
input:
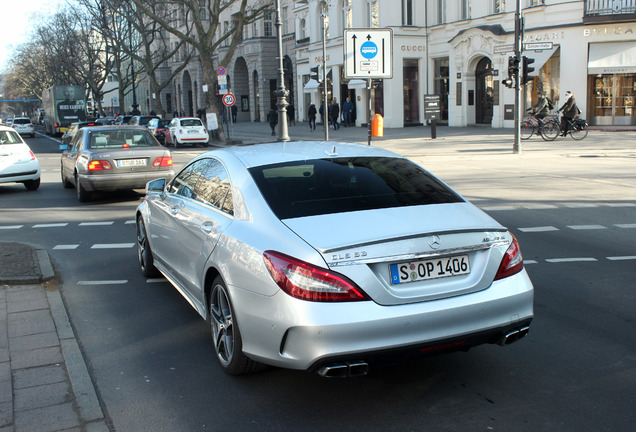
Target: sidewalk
[{"x": 44, "y": 382}]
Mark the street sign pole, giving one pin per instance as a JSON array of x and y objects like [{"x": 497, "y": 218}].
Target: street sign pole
[
  {"x": 325, "y": 108},
  {"x": 516, "y": 148}
]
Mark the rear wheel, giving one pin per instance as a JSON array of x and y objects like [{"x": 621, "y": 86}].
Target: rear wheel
[
  {"x": 578, "y": 132},
  {"x": 226, "y": 336},
  {"x": 82, "y": 194},
  {"x": 550, "y": 130},
  {"x": 526, "y": 130},
  {"x": 32, "y": 184},
  {"x": 67, "y": 184}
]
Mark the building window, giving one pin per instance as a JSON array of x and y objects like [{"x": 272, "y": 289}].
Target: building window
[
  {"x": 324, "y": 18},
  {"x": 374, "y": 14},
  {"x": 303, "y": 29},
  {"x": 285, "y": 19},
  {"x": 442, "y": 82},
  {"x": 441, "y": 11},
  {"x": 268, "y": 24},
  {"x": 536, "y": 2},
  {"x": 226, "y": 30},
  {"x": 465, "y": 11},
  {"x": 407, "y": 12},
  {"x": 499, "y": 6},
  {"x": 348, "y": 17},
  {"x": 255, "y": 29}
]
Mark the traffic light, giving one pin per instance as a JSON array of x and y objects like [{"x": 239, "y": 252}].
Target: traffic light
[
  {"x": 315, "y": 73},
  {"x": 513, "y": 68},
  {"x": 526, "y": 69}
]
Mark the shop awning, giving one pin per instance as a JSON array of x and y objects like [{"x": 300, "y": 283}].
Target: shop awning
[
  {"x": 540, "y": 58},
  {"x": 614, "y": 57},
  {"x": 357, "y": 83},
  {"x": 311, "y": 86}
]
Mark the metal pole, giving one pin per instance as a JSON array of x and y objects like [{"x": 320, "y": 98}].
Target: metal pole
[
  {"x": 132, "y": 71},
  {"x": 282, "y": 92},
  {"x": 325, "y": 108},
  {"x": 516, "y": 148},
  {"x": 369, "y": 81}
]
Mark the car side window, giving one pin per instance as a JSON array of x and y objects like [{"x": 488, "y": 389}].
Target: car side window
[
  {"x": 185, "y": 182},
  {"x": 214, "y": 187},
  {"x": 77, "y": 140}
]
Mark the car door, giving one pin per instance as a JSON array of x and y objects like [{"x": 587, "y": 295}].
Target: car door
[
  {"x": 70, "y": 155},
  {"x": 203, "y": 220}
]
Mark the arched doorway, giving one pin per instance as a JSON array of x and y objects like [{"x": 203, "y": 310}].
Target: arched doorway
[
  {"x": 241, "y": 89},
  {"x": 187, "y": 94},
  {"x": 484, "y": 88}
]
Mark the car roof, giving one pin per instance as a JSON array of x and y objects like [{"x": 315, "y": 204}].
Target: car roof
[{"x": 272, "y": 153}]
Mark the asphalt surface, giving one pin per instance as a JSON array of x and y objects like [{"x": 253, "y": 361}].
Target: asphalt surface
[{"x": 44, "y": 381}]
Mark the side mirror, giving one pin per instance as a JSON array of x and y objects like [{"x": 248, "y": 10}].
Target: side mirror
[{"x": 157, "y": 185}]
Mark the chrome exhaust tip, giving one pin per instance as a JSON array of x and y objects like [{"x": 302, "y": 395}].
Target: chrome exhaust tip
[
  {"x": 514, "y": 336},
  {"x": 344, "y": 370}
]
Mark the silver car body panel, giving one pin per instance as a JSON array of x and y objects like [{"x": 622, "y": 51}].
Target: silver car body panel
[
  {"x": 281, "y": 330},
  {"x": 16, "y": 163}
]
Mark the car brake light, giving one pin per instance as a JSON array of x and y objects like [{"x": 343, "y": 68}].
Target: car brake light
[
  {"x": 512, "y": 262},
  {"x": 99, "y": 165},
  {"x": 32, "y": 155},
  {"x": 164, "y": 161},
  {"x": 305, "y": 281}
]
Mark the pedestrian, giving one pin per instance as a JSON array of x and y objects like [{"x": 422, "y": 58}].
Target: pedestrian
[
  {"x": 291, "y": 114},
  {"x": 272, "y": 118},
  {"x": 347, "y": 111},
  {"x": 322, "y": 113},
  {"x": 234, "y": 112},
  {"x": 312, "y": 117},
  {"x": 334, "y": 113},
  {"x": 541, "y": 109},
  {"x": 570, "y": 112}
]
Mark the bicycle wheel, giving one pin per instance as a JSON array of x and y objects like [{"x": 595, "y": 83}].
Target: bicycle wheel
[
  {"x": 527, "y": 130},
  {"x": 579, "y": 131},
  {"x": 550, "y": 130}
]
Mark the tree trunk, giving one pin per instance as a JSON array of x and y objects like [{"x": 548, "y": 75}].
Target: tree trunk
[{"x": 211, "y": 99}]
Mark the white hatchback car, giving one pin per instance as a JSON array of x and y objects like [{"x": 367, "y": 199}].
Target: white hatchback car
[
  {"x": 24, "y": 126},
  {"x": 18, "y": 164},
  {"x": 187, "y": 130}
]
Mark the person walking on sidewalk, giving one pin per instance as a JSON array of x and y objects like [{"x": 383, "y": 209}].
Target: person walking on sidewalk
[
  {"x": 347, "y": 111},
  {"x": 312, "y": 117},
  {"x": 334, "y": 113},
  {"x": 272, "y": 119}
]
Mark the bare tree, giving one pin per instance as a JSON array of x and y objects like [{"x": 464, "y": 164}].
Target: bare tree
[{"x": 198, "y": 25}]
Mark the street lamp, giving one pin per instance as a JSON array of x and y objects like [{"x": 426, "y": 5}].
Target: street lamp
[
  {"x": 282, "y": 92},
  {"x": 132, "y": 72}
]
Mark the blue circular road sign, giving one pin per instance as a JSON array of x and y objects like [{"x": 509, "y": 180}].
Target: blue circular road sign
[{"x": 368, "y": 50}]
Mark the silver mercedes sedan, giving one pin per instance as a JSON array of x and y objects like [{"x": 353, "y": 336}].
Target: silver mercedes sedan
[{"x": 331, "y": 257}]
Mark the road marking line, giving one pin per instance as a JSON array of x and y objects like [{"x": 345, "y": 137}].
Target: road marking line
[
  {"x": 158, "y": 280},
  {"x": 66, "y": 247},
  {"x": 540, "y": 207},
  {"x": 530, "y": 262},
  {"x": 11, "y": 227},
  {"x": 96, "y": 223},
  {"x": 587, "y": 227},
  {"x": 128, "y": 222},
  {"x": 113, "y": 246},
  {"x": 52, "y": 225},
  {"x": 626, "y": 225},
  {"x": 103, "y": 282},
  {"x": 621, "y": 205},
  {"x": 566, "y": 260},
  {"x": 539, "y": 229},
  {"x": 622, "y": 258},
  {"x": 499, "y": 208},
  {"x": 575, "y": 206}
]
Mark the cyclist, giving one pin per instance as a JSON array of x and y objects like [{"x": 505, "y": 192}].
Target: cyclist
[
  {"x": 570, "y": 112},
  {"x": 541, "y": 109}
]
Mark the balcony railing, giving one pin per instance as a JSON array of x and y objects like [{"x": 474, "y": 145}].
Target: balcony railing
[{"x": 609, "y": 10}]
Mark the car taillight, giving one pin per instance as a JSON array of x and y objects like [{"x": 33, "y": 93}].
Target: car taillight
[
  {"x": 164, "y": 161},
  {"x": 512, "y": 262},
  {"x": 305, "y": 281},
  {"x": 99, "y": 165},
  {"x": 32, "y": 155}
]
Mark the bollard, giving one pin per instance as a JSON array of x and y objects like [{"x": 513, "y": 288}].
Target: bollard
[{"x": 377, "y": 126}]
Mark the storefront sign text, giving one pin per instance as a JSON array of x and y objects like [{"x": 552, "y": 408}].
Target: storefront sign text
[
  {"x": 609, "y": 31},
  {"x": 413, "y": 48},
  {"x": 547, "y": 36}
]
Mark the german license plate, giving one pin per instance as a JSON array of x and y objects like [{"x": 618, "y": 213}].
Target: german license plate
[
  {"x": 193, "y": 131},
  {"x": 429, "y": 269},
  {"x": 123, "y": 163}
]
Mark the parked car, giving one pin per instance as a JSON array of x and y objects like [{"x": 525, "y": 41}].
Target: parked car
[
  {"x": 18, "y": 163},
  {"x": 141, "y": 120},
  {"x": 10, "y": 121},
  {"x": 187, "y": 130},
  {"x": 123, "y": 120},
  {"x": 331, "y": 257},
  {"x": 105, "y": 121},
  {"x": 73, "y": 128},
  {"x": 158, "y": 128},
  {"x": 106, "y": 158},
  {"x": 23, "y": 126}
]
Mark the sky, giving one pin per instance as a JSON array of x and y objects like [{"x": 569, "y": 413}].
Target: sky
[{"x": 18, "y": 18}]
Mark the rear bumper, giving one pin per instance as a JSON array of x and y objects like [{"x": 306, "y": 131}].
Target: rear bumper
[
  {"x": 315, "y": 334},
  {"x": 21, "y": 172},
  {"x": 121, "y": 181}
]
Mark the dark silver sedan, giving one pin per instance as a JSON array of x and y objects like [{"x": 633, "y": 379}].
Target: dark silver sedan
[{"x": 110, "y": 158}]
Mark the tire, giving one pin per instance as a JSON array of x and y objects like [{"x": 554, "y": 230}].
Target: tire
[
  {"x": 144, "y": 253},
  {"x": 32, "y": 185},
  {"x": 82, "y": 194},
  {"x": 174, "y": 142},
  {"x": 65, "y": 183},
  {"x": 579, "y": 132},
  {"x": 226, "y": 335},
  {"x": 550, "y": 130},
  {"x": 526, "y": 130}
]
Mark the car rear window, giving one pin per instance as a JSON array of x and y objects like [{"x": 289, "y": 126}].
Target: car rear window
[
  {"x": 121, "y": 139},
  {"x": 324, "y": 186},
  {"x": 10, "y": 137},
  {"x": 191, "y": 122},
  {"x": 21, "y": 121}
]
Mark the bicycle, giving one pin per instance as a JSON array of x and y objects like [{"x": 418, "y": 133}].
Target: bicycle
[
  {"x": 548, "y": 129},
  {"x": 577, "y": 128}
]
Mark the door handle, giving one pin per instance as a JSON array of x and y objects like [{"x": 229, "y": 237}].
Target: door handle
[
  {"x": 207, "y": 227},
  {"x": 175, "y": 209}
]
